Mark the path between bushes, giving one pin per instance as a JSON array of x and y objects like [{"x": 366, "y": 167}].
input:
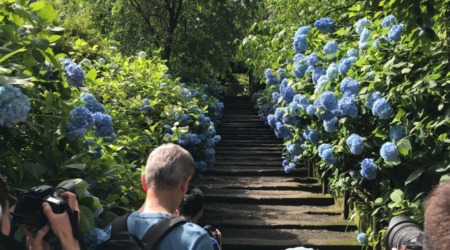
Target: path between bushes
[{"x": 258, "y": 206}]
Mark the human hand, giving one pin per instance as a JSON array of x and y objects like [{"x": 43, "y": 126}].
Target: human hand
[
  {"x": 217, "y": 235},
  {"x": 35, "y": 241},
  {"x": 60, "y": 223}
]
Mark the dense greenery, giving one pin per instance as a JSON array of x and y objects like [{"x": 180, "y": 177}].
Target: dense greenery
[{"x": 322, "y": 93}]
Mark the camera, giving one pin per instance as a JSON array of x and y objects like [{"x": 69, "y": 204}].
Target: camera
[
  {"x": 28, "y": 210},
  {"x": 210, "y": 230},
  {"x": 404, "y": 233}
]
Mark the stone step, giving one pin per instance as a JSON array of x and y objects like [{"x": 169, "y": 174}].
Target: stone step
[
  {"x": 266, "y": 198},
  {"x": 275, "y": 239},
  {"x": 258, "y": 170}
]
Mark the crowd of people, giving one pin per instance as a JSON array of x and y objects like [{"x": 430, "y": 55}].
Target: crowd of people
[{"x": 166, "y": 181}]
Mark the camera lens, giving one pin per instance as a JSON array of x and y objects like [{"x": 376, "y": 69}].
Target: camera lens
[{"x": 403, "y": 231}]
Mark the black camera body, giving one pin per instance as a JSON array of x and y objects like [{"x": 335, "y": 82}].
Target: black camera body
[
  {"x": 404, "y": 233},
  {"x": 28, "y": 210}
]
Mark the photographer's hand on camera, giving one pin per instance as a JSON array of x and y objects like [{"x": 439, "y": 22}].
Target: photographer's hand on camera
[
  {"x": 217, "y": 235},
  {"x": 61, "y": 224}
]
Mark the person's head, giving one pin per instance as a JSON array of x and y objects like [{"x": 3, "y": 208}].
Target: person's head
[
  {"x": 437, "y": 218},
  {"x": 192, "y": 205},
  {"x": 168, "y": 166}
]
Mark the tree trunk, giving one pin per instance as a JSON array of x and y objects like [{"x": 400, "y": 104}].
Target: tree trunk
[{"x": 174, "y": 7}]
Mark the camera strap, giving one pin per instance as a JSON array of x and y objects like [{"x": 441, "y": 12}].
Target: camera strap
[{"x": 73, "y": 221}]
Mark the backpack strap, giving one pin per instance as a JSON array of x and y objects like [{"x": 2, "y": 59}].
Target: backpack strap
[
  {"x": 154, "y": 235},
  {"x": 119, "y": 224}
]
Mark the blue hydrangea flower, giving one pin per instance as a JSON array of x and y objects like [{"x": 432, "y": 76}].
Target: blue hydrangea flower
[
  {"x": 381, "y": 39},
  {"x": 347, "y": 106},
  {"x": 282, "y": 131},
  {"x": 283, "y": 86},
  {"x": 345, "y": 64},
  {"x": 186, "y": 93},
  {"x": 101, "y": 61},
  {"x": 395, "y": 32},
  {"x": 75, "y": 74},
  {"x": 312, "y": 59},
  {"x": 321, "y": 83},
  {"x": 373, "y": 97},
  {"x": 352, "y": 53},
  {"x": 279, "y": 113},
  {"x": 94, "y": 237},
  {"x": 329, "y": 100},
  {"x": 349, "y": 87},
  {"x": 281, "y": 74},
  {"x": 330, "y": 125},
  {"x": 91, "y": 103},
  {"x": 330, "y": 48},
  {"x": 272, "y": 121},
  {"x": 288, "y": 166},
  {"x": 300, "y": 43},
  {"x": 103, "y": 125},
  {"x": 300, "y": 69},
  {"x": 388, "y": 21},
  {"x": 326, "y": 153},
  {"x": 325, "y": 24},
  {"x": 302, "y": 101},
  {"x": 360, "y": 24},
  {"x": 312, "y": 136},
  {"x": 275, "y": 96},
  {"x": 294, "y": 109},
  {"x": 289, "y": 94},
  {"x": 397, "y": 132},
  {"x": 368, "y": 169},
  {"x": 317, "y": 73},
  {"x": 293, "y": 149},
  {"x": 332, "y": 71},
  {"x": 200, "y": 166},
  {"x": 168, "y": 137},
  {"x": 382, "y": 108},
  {"x": 311, "y": 110},
  {"x": 389, "y": 151},
  {"x": 271, "y": 79},
  {"x": 304, "y": 30},
  {"x": 363, "y": 45},
  {"x": 365, "y": 35},
  {"x": 362, "y": 238},
  {"x": 167, "y": 128},
  {"x": 14, "y": 106},
  {"x": 356, "y": 144},
  {"x": 81, "y": 117}
]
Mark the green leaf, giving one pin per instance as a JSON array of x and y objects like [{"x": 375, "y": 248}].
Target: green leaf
[
  {"x": 404, "y": 146},
  {"x": 92, "y": 74},
  {"x": 40, "y": 43},
  {"x": 87, "y": 221},
  {"x": 406, "y": 70},
  {"x": 47, "y": 14},
  {"x": 414, "y": 175},
  {"x": 397, "y": 196},
  {"x": 12, "y": 54},
  {"x": 56, "y": 29},
  {"x": 54, "y": 38},
  {"x": 444, "y": 178},
  {"x": 37, "y": 6},
  {"x": 34, "y": 169},
  {"x": 79, "y": 166}
]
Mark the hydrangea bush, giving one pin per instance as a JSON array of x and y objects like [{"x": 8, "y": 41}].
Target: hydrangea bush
[{"x": 366, "y": 110}]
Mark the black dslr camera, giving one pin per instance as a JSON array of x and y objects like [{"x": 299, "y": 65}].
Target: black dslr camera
[
  {"x": 404, "y": 233},
  {"x": 28, "y": 210}
]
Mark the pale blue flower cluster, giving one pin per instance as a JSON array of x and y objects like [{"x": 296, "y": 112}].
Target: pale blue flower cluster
[
  {"x": 186, "y": 93},
  {"x": 312, "y": 59},
  {"x": 271, "y": 79},
  {"x": 345, "y": 64},
  {"x": 184, "y": 119},
  {"x": 389, "y": 151},
  {"x": 352, "y": 53},
  {"x": 317, "y": 73},
  {"x": 304, "y": 30},
  {"x": 347, "y": 106},
  {"x": 312, "y": 136},
  {"x": 80, "y": 120},
  {"x": 395, "y": 32},
  {"x": 362, "y": 238},
  {"x": 382, "y": 108},
  {"x": 14, "y": 106},
  {"x": 276, "y": 96},
  {"x": 74, "y": 73},
  {"x": 200, "y": 166},
  {"x": 325, "y": 24},
  {"x": 288, "y": 166},
  {"x": 294, "y": 109},
  {"x": 103, "y": 126},
  {"x": 91, "y": 103},
  {"x": 330, "y": 125},
  {"x": 300, "y": 65},
  {"x": 388, "y": 21},
  {"x": 360, "y": 24},
  {"x": 326, "y": 153},
  {"x": 300, "y": 43},
  {"x": 349, "y": 87},
  {"x": 373, "y": 97},
  {"x": 332, "y": 71},
  {"x": 282, "y": 131},
  {"x": 281, "y": 74},
  {"x": 397, "y": 132},
  {"x": 329, "y": 100},
  {"x": 142, "y": 54},
  {"x": 368, "y": 169},
  {"x": 330, "y": 47},
  {"x": 94, "y": 237},
  {"x": 302, "y": 101},
  {"x": 365, "y": 35},
  {"x": 293, "y": 149},
  {"x": 356, "y": 144},
  {"x": 382, "y": 40}
]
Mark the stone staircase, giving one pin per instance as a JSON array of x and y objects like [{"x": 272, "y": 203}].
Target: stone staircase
[{"x": 255, "y": 203}]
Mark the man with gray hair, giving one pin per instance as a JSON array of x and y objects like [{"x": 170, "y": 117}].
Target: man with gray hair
[{"x": 165, "y": 180}]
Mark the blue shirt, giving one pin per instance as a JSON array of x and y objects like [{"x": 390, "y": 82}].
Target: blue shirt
[{"x": 187, "y": 236}]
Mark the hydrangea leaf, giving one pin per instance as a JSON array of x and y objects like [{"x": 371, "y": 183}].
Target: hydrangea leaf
[
  {"x": 75, "y": 166},
  {"x": 397, "y": 196},
  {"x": 414, "y": 175},
  {"x": 404, "y": 146},
  {"x": 87, "y": 221},
  {"x": 92, "y": 74}
]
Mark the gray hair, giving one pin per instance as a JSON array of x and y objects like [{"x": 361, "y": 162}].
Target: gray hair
[{"x": 168, "y": 165}]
